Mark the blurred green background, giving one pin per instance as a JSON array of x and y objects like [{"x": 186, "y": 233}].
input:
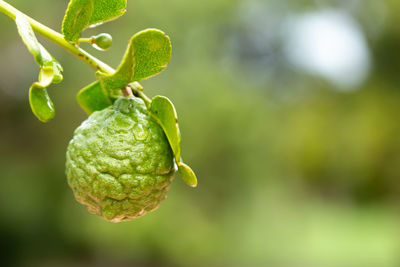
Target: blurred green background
[{"x": 289, "y": 112}]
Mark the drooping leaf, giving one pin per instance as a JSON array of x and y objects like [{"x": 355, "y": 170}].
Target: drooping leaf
[
  {"x": 46, "y": 76},
  {"x": 82, "y": 14},
  {"x": 28, "y": 37},
  {"x": 50, "y": 61},
  {"x": 93, "y": 98},
  {"x": 187, "y": 174},
  {"x": 148, "y": 53},
  {"x": 164, "y": 112},
  {"x": 41, "y": 55},
  {"x": 40, "y": 102},
  {"x": 50, "y": 71}
]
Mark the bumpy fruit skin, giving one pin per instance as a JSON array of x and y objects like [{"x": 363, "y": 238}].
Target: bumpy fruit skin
[{"x": 119, "y": 162}]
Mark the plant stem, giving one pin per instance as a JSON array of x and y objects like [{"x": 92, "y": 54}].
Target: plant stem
[
  {"x": 127, "y": 92},
  {"x": 57, "y": 38}
]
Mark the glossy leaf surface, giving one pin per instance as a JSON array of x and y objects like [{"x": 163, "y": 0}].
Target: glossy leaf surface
[
  {"x": 187, "y": 174},
  {"x": 39, "y": 100}
]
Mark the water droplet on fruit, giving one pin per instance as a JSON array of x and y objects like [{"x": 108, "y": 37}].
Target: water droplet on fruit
[{"x": 140, "y": 132}]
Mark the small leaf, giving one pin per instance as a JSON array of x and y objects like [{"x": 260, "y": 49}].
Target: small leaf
[
  {"x": 49, "y": 61},
  {"x": 152, "y": 53},
  {"x": 82, "y": 14},
  {"x": 50, "y": 71},
  {"x": 28, "y": 36},
  {"x": 187, "y": 174},
  {"x": 46, "y": 76},
  {"x": 40, "y": 102},
  {"x": 148, "y": 53},
  {"x": 164, "y": 112},
  {"x": 93, "y": 98}
]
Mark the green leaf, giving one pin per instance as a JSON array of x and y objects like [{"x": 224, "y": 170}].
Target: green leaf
[
  {"x": 152, "y": 53},
  {"x": 106, "y": 10},
  {"x": 82, "y": 14},
  {"x": 164, "y": 112},
  {"x": 76, "y": 19},
  {"x": 50, "y": 71},
  {"x": 187, "y": 174},
  {"x": 93, "y": 98},
  {"x": 49, "y": 61},
  {"x": 46, "y": 76},
  {"x": 40, "y": 102},
  {"x": 148, "y": 53},
  {"x": 41, "y": 55},
  {"x": 28, "y": 36}
]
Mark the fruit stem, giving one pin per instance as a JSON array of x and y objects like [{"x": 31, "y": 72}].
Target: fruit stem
[
  {"x": 86, "y": 40},
  {"x": 58, "y": 39},
  {"x": 137, "y": 91},
  {"x": 127, "y": 92}
]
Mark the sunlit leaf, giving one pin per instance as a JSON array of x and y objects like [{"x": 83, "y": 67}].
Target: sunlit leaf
[
  {"x": 164, "y": 112},
  {"x": 93, "y": 98},
  {"x": 148, "y": 53},
  {"x": 187, "y": 174},
  {"x": 49, "y": 61},
  {"x": 82, "y": 14},
  {"x": 46, "y": 76}
]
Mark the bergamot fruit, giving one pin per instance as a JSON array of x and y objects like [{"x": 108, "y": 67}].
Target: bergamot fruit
[{"x": 119, "y": 162}]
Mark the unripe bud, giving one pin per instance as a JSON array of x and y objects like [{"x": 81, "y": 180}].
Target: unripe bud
[{"x": 103, "y": 41}]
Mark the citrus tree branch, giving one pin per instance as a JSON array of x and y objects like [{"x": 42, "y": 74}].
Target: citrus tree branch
[{"x": 57, "y": 38}]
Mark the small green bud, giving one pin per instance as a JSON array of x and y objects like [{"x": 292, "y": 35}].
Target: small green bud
[{"x": 103, "y": 41}]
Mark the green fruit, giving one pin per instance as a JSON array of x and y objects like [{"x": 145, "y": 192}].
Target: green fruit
[{"x": 119, "y": 162}]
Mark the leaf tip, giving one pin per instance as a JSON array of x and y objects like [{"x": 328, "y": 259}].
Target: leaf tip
[{"x": 187, "y": 174}]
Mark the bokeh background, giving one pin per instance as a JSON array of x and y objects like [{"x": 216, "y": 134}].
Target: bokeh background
[{"x": 289, "y": 112}]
